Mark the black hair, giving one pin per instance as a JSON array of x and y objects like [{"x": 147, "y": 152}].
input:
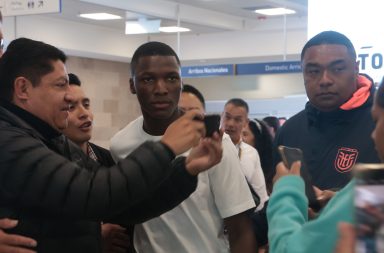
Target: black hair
[
  {"x": 190, "y": 89},
  {"x": 28, "y": 58},
  {"x": 238, "y": 102},
  {"x": 330, "y": 37},
  {"x": 152, "y": 48},
  {"x": 73, "y": 79},
  {"x": 263, "y": 142},
  {"x": 273, "y": 122}
]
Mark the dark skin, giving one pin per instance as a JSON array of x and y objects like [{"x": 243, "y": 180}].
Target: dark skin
[{"x": 157, "y": 83}]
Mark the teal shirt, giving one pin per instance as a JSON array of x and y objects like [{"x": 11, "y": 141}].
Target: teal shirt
[{"x": 289, "y": 228}]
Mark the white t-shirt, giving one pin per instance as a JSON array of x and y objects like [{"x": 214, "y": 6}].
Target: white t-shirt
[
  {"x": 196, "y": 225},
  {"x": 251, "y": 166}
]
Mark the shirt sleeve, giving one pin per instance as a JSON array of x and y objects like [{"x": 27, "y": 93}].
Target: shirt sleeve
[
  {"x": 231, "y": 192},
  {"x": 289, "y": 228}
]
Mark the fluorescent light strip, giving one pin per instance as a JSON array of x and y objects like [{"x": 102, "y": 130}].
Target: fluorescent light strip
[
  {"x": 275, "y": 11},
  {"x": 100, "y": 16},
  {"x": 173, "y": 29}
]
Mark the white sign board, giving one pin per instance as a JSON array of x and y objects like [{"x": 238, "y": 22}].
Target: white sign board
[
  {"x": 29, "y": 7},
  {"x": 361, "y": 21}
]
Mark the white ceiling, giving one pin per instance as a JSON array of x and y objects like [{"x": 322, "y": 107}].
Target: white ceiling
[{"x": 201, "y": 16}]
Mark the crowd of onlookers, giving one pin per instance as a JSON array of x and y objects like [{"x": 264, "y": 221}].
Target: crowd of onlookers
[{"x": 164, "y": 186}]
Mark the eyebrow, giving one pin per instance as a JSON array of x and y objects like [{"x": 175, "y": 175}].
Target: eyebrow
[{"x": 313, "y": 65}]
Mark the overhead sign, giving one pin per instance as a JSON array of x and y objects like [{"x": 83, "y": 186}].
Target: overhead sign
[
  {"x": 209, "y": 70},
  {"x": 268, "y": 68},
  {"x": 28, "y": 7}
]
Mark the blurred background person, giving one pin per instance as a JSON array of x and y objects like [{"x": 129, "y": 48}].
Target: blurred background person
[
  {"x": 257, "y": 134},
  {"x": 273, "y": 124}
]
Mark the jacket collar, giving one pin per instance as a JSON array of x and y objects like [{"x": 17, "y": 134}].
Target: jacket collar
[
  {"x": 43, "y": 128},
  {"x": 339, "y": 115}
]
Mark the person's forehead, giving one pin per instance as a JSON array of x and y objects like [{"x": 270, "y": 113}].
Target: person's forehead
[
  {"x": 234, "y": 109},
  {"x": 146, "y": 61},
  {"x": 76, "y": 91},
  {"x": 187, "y": 97},
  {"x": 326, "y": 51}
]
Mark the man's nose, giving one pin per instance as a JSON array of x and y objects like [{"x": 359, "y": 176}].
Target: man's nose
[
  {"x": 326, "y": 78},
  {"x": 161, "y": 87}
]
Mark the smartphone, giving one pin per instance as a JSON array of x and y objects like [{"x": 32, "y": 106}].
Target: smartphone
[
  {"x": 369, "y": 207},
  {"x": 212, "y": 124},
  {"x": 290, "y": 155}
]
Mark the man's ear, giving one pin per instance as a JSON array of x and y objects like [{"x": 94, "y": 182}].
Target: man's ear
[
  {"x": 21, "y": 87},
  {"x": 132, "y": 86}
]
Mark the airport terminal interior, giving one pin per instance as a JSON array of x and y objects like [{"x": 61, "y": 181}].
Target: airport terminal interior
[{"x": 229, "y": 50}]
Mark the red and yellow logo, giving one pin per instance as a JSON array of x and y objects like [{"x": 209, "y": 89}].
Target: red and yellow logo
[{"x": 345, "y": 159}]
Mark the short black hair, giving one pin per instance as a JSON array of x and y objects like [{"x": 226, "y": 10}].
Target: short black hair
[
  {"x": 28, "y": 58},
  {"x": 238, "y": 102},
  {"x": 151, "y": 48},
  {"x": 187, "y": 88},
  {"x": 74, "y": 79},
  {"x": 330, "y": 37},
  {"x": 273, "y": 122}
]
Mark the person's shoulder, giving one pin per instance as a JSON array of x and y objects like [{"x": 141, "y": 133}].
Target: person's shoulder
[{"x": 128, "y": 130}]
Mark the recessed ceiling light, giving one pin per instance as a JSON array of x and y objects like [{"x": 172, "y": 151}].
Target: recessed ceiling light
[
  {"x": 275, "y": 11},
  {"x": 142, "y": 26},
  {"x": 173, "y": 29},
  {"x": 100, "y": 16}
]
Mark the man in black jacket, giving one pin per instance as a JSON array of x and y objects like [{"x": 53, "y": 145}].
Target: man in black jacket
[
  {"x": 79, "y": 130},
  {"x": 52, "y": 188},
  {"x": 334, "y": 128}
]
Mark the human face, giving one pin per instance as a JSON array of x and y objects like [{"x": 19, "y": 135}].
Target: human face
[
  {"x": 80, "y": 117},
  {"x": 157, "y": 84},
  {"x": 188, "y": 101},
  {"x": 330, "y": 76},
  {"x": 247, "y": 136},
  {"x": 233, "y": 120},
  {"x": 49, "y": 100},
  {"x": 378, "y": 133}
]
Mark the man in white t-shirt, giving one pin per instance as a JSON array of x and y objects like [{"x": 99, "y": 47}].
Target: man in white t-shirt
[
  {"x": 214, "y": 218},
  {"x": 233, "y": 120}
]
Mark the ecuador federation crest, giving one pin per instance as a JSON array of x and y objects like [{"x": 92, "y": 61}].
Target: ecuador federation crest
[{"x": 345, "y": 159}]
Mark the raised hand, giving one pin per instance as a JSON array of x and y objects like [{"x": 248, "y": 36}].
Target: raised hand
[
  {"x": 207, "y": 154},
  {"x": 185, "y": 132}
]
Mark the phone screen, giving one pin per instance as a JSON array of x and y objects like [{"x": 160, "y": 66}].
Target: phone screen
[
  {"x": 290, "y": 155},
  {"x": 369, "y": 207}
]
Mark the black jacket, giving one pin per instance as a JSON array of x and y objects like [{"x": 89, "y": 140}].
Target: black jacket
[
  {"x": 55, "y": 199},
  {"x": 103, "y": 155},
  {"x": 332, "y": 142}
]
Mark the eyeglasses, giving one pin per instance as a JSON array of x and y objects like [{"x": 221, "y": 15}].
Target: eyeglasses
[{"x": 1, "y": 44}]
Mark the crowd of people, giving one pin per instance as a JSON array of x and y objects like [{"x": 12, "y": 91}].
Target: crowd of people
[{"x": 163, "y": 186}]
